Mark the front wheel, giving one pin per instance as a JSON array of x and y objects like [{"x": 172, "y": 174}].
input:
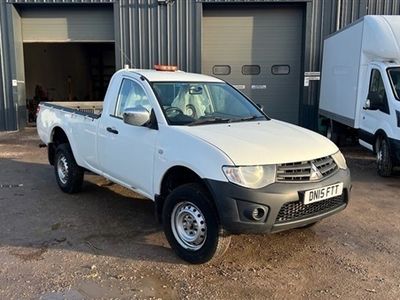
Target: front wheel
[
  {"x": 383, "y": 158},
  {"x": 191, "y": 225}
]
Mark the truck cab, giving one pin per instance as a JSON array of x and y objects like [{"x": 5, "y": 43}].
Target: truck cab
[{"x": 380, "y": 114}]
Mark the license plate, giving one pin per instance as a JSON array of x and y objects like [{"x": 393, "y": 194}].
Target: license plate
[{"x": 323, "y": 193}]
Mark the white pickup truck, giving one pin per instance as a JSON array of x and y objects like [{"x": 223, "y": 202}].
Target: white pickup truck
[{"x": 209, "y": 157}]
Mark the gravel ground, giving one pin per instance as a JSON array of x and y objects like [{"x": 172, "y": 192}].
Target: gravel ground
[{"x": 104, "y": 242}]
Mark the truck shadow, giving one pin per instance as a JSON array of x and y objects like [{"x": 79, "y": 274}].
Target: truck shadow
[{"x": 103, "y": 219}]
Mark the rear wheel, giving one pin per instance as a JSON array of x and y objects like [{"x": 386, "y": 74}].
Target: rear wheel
[
  {"x": 332, "y": 132},
  {"x": 191, "y": 225},
  {"x": 69, "y": 175},
  {"x": 383, "y": 157}
]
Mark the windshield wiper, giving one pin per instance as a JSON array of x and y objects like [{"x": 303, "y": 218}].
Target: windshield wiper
[
  {"x": 250, "y": 118},
  {"x": 209, "y": 121}
]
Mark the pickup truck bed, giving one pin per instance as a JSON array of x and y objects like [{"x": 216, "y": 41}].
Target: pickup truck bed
[{"x": 91, "y": 109}]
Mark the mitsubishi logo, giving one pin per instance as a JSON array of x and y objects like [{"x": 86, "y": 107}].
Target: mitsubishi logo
[{"x": 315, "y": 173}]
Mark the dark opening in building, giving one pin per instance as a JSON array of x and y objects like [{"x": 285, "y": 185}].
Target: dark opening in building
[{"x": 67, "y": 72}]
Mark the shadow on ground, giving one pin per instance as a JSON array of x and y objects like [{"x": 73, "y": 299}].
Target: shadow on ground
[{"x": 103, "y": 219}]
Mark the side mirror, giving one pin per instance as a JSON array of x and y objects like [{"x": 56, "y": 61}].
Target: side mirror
[
  {"x": 260, "y": 106},
  {"x": 373, "y": 101},
  {"x": 367, "y": 104},
  {"x": 136, "y": 116}
]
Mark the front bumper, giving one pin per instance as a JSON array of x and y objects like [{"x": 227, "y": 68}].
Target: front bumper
[{"x": 282, "y": 203}]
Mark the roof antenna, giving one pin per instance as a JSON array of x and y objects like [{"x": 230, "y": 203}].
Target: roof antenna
[{"x": 126, "y": 66}]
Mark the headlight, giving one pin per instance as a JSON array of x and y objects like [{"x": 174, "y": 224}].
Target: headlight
[
  {"x": 340, "y": 160},
  {"x": 253, "y": 177}
]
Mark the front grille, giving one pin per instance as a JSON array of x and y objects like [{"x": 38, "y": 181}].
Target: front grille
[
  {"x": 296, "y": 210},
  {"x": 302, "y": 171}
]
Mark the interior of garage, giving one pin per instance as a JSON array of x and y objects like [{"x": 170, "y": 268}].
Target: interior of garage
[{"x": 66, "y": 72}]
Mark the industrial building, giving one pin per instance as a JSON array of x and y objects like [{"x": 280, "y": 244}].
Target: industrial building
[{"x": 66, "y": 50}]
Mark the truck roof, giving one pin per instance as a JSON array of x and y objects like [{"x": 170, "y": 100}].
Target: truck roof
[
  {"x": 374, "y": 20},
  {"x": 379, "y": 37},
  {"x": 168, "y": 76}
]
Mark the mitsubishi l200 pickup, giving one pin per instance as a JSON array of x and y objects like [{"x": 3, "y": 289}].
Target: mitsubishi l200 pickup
[{"x": 212, "y": 161}]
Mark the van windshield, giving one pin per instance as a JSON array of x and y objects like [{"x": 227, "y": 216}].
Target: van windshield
[
  {"x": 198, "y": 103},
  {"x": 394, "y": 76}
]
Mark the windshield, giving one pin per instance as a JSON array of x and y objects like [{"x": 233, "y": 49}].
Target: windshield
[
  {"x": 196, "y": 103},
  {"x": 394, "y": 75}
]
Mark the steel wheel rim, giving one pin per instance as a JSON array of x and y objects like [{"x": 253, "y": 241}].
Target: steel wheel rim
[
  {"x": 379, "y": 156},
  {"x": 379, "y": 153},
  {"x": 62, "y": 169},
  {"x": 189, "y": 226}
]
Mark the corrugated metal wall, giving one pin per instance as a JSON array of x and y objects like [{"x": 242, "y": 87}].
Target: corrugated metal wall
[
  {"x": 7, "y": 107},
  {"x": 149, "y": 32}
]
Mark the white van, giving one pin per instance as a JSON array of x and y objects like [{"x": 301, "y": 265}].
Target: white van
[{"x": 360, "y": 86}]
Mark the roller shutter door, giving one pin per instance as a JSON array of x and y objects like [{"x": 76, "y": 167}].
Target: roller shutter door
[
  {"x": 258, "y": 50},
  {"x": 67, "y": 24}
]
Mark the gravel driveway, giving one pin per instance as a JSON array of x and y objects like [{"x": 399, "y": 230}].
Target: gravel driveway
[{"x": 105, "y": 243}]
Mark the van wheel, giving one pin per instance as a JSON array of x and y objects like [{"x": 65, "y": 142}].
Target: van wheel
[
  {"x": 332, "y": 133},
  {"x": 383, "y": 158},
  {"x": 68, "y": 174},
  {"x": 191, "y": 225}
]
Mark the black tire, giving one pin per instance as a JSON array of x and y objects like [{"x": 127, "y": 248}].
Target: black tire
[
  {"x": 192, "y": 203},
  {"x": 332, "y": 132},
  {"x": 69, "y": 175},
  {"x": 383, "y": 157}
]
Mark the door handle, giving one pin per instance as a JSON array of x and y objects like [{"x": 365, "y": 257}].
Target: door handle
[{"x": 112, "y": 130}]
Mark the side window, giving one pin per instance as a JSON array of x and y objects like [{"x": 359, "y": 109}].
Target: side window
[
  {"x": 131, "y": 95},
  {"x": 377, "y": 92}
]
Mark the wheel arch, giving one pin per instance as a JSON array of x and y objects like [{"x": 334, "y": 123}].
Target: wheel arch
[
  {"x": 58, "y": 136},
  {"x": 174, "y": 177},
  {"x": 380, "y": 133}
]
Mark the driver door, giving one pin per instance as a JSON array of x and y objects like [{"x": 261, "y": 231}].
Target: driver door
[
  {"x": 377, "y": 109},
  {"x": 126, "y": 152}
]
